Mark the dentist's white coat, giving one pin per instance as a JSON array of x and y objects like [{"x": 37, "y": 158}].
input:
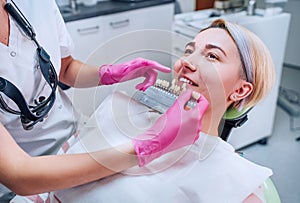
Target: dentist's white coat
[{"x": 19, "y": 66}]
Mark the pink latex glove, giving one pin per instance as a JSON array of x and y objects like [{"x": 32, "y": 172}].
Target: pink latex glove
[
  {"x": 174, "y": 129},
  {"x": 110, "y": 74}
]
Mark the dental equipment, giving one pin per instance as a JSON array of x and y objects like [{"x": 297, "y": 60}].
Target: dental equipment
[{"x": 160, "y": 96}]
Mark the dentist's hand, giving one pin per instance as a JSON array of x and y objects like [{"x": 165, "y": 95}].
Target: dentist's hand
[
  {"x": 174, "y": 129},
  {"x": 110, "y": 74}
]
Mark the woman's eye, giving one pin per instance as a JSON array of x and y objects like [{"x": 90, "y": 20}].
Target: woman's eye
[
  {"x": 188, "y": 51},
  {"x": 212, "y": 56}
]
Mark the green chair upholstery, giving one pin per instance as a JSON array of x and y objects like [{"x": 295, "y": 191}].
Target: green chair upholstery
[
  {"x": 271, "y": 194},
  {"x": 233, "y": 118},
  {"x": 233, "y": 113}
]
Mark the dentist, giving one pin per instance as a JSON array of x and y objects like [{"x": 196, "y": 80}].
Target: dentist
[{"x": 29, "y": 63}]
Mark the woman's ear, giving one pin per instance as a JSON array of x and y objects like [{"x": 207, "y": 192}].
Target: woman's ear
[{"x": 243, "y": 91}]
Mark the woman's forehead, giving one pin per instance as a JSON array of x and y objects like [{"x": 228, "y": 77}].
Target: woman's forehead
[{"x": 215, "y": 36}]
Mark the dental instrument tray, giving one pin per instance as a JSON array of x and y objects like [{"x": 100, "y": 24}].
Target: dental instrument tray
[{"x": 160, "y": 97}]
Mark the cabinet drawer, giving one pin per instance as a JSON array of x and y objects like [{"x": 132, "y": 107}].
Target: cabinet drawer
[
  {"x": 87, "y": 35},
  {"x": 145, "y": 18},
  {"x": 120, "y": 23}
]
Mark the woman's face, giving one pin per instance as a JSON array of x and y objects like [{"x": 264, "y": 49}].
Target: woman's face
[{"x": 211, "y": 65}]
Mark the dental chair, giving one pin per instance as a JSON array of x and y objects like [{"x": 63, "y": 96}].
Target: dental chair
[{"x": 234, "y": 119}]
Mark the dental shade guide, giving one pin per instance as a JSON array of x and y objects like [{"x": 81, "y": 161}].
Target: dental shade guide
[{"x": 160, "y": 97}]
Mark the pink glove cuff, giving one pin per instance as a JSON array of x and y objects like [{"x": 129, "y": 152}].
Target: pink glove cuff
[
  {"x": 105, "y": 75},
  {"x": 146, "y": 151}
]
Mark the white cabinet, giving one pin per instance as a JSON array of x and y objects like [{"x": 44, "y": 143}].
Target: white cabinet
[
  {"x": 293, "y": 43},
  {"x": 107, "y": 38},
  {"x": 119, "y": 37}
]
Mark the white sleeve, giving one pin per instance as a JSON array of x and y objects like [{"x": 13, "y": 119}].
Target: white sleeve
[{"x": 65, "y": 41}]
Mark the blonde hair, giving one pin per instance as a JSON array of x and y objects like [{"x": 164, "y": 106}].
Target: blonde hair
[{"x": 257, "y": 64}]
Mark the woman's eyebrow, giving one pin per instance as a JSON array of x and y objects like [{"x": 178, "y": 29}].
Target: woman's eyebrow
[
  {"x": 211, "y": 46},
  {"x": 192, "y": 44}
]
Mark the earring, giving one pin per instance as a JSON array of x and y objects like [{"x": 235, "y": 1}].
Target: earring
[{"x": 234, "y": 97}]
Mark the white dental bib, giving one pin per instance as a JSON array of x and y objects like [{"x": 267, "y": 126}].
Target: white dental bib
[{"x": 208, "y": 171}]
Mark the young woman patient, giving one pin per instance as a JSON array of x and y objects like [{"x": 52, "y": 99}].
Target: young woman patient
[{"x": 231, "y": 68}]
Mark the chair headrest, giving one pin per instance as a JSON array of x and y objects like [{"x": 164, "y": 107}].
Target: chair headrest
[{"x": 233, "y": 113}]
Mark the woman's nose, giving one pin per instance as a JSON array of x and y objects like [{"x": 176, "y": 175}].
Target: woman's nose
[{"x": 186, "y": 64}]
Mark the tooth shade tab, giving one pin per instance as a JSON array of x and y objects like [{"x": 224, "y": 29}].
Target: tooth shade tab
[
  {"x": 177, "y": 89},
  {"x": 196, "y": 95},
  {"x": 183, "y": 87}
]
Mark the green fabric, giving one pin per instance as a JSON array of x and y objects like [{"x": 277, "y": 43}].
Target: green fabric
[
  {"x": 233, "y": 113},
  {"x": 271, "y": 193}
]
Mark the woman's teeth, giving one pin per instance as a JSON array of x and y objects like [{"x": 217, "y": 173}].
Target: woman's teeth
[{"x": 184, "y": 80}]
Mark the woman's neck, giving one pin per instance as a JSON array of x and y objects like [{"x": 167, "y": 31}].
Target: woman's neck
[{"x": 211, "y": 121}]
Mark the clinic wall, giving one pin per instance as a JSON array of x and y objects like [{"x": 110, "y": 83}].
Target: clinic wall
[{"x": 187, "y": 5}]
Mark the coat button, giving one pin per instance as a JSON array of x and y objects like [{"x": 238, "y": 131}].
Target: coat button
[{"x": 13, "y": 54}]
